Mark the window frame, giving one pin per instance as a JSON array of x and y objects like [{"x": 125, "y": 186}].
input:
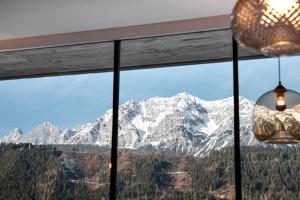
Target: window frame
[{"x": 117, "y": 67}]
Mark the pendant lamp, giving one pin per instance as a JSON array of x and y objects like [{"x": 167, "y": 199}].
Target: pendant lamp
[
  {"x": 276, "y": 115},
  {"x": 271, "y": 27}
]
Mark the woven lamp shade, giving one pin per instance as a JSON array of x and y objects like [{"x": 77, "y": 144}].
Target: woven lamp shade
[{"x": 271, "y": 27}]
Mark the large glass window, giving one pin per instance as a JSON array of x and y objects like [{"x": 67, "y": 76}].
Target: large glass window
[
  {"x": 268, "y": 171},
  {"x": 176, "y": 133},
  {"x": 60, "y": 128},
  {"x": 175, "y": 123}
]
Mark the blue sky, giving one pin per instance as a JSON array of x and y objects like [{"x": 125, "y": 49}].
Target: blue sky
[{"x": 69, "y": 100}]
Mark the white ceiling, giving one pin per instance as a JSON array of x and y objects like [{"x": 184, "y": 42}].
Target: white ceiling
[{"x": 24, "y": 18}]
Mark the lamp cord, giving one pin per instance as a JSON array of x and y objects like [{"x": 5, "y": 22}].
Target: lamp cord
[{"x": 279, "y": 70}]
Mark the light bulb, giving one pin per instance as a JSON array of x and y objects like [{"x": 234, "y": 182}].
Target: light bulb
[
  {"x": 280, "y": 103},
  {"x": 281, "y": 6},
  {"x": 280, "y": 98}
]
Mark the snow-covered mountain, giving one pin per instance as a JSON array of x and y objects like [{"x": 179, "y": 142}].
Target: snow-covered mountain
[{"x": 182, "y": 123}]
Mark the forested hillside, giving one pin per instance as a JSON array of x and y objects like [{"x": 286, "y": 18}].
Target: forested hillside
[{"x": 79, "y": 172}]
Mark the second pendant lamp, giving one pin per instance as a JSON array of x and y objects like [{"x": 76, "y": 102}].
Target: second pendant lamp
[{"x": 276, "y": 115}]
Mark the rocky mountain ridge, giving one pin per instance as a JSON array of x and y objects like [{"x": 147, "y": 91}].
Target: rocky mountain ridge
[{"x": 181, "y": 124}]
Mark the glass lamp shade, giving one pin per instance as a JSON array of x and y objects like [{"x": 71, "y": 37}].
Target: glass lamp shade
[
  {"x": 277, "y": 125},
  {"x": 271, "y": 27}
]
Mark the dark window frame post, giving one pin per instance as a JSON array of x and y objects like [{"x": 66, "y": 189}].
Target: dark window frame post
[
  {"x": 237, "y": 148},
  {"x": 115, "y": 120}
]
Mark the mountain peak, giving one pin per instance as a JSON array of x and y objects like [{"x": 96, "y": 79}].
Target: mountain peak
[
  {"x": 181, "y": 123},
  {"x": 13, "y": 136},
  {"x": 16, "y": 131},
  {"x": 47, "y": 126},
  {"x": 185, "y": 95}
]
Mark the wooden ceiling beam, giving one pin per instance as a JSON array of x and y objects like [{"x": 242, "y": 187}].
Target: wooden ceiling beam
[{"x": 120, "y": 33}]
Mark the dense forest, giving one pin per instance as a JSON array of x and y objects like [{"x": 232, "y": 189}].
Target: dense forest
[{"x": 82, "y": 172}]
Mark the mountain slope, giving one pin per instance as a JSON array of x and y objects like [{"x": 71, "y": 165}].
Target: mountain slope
[{"x": 181, "y": 124}]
